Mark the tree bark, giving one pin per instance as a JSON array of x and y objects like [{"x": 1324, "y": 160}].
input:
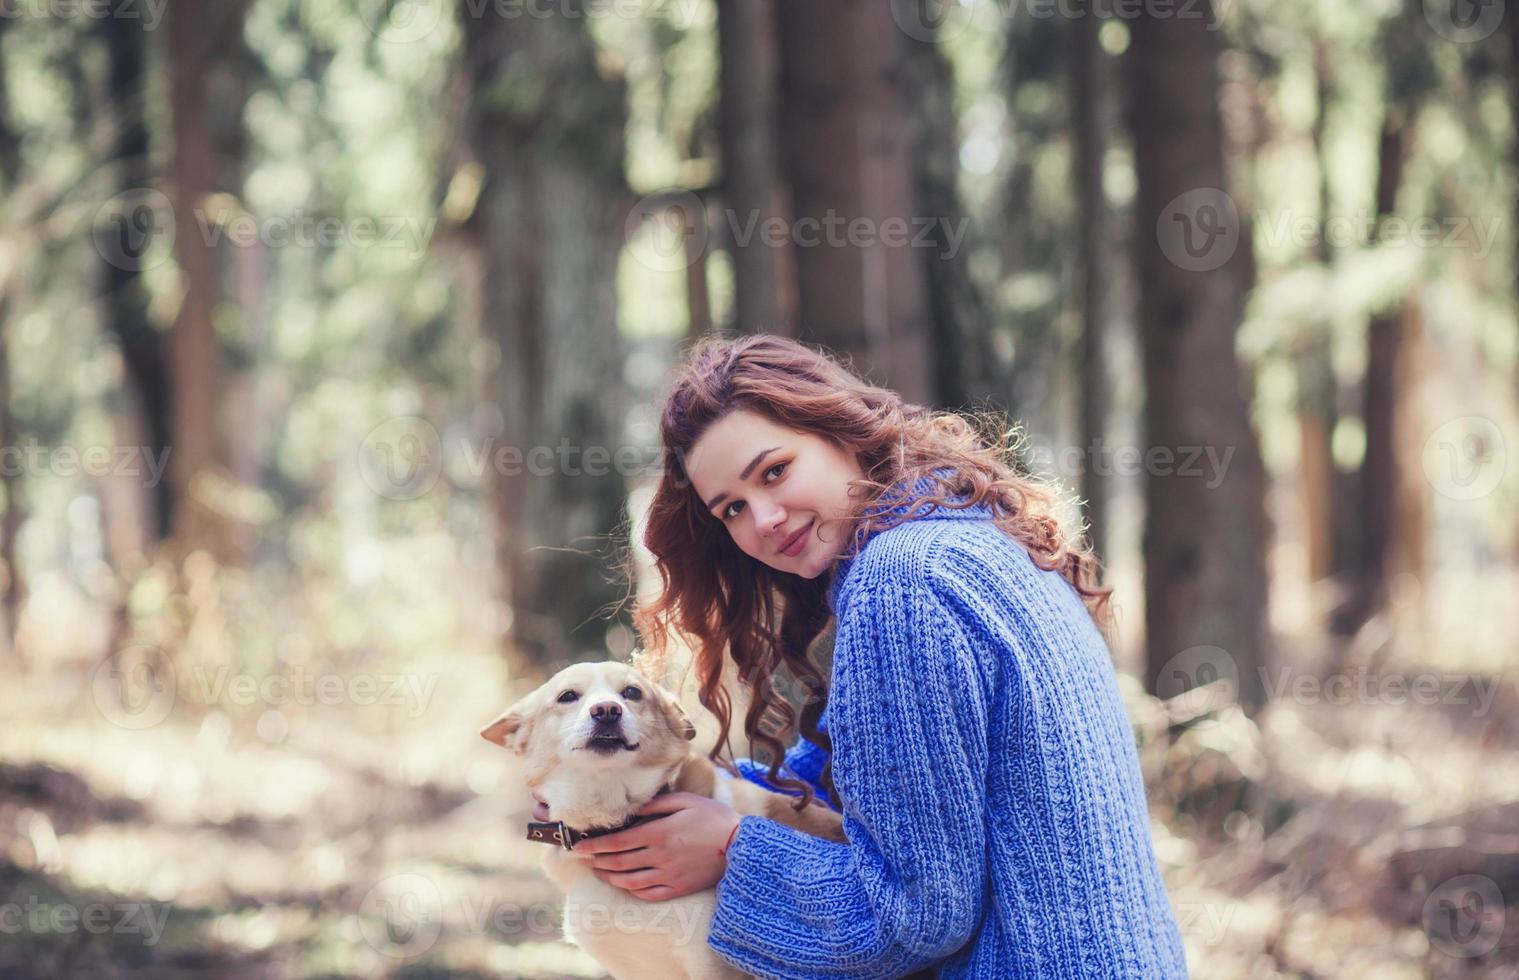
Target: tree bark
[
  {"x": 847, "y": 156},
  {"x": 143, "y": 347},
  {"x": 1204, "y": 547},
  {"x": 548, "y": 129},
  {"x": 12, "y": 586},
  {"x": 1318, "y": 392},
  {"x": 194, "y": 352},
  {"x": 750, "y": 65},
  {"x": 1378, "y": 481},
  {"x": 1091, "y": 97},
  {"x": 966, "y": 366}
]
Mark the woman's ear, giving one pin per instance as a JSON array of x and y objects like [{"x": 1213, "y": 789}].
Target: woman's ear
[
  {"x": 512, "y": 729},
  {"x": 675, "y": 716}
]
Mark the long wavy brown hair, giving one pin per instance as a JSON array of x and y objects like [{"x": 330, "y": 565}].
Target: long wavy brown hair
[{"x": 722, "y": 601}]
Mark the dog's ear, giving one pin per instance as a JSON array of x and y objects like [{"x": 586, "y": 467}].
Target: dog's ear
[
  {"x": 675, "y": 716},
  {"x": 511, "y": 730}
]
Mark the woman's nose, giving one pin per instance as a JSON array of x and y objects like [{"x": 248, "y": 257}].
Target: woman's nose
[{"x": 767, "y": 519}]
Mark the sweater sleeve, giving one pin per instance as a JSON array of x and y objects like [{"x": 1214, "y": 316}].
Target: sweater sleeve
[{"x": 909, "y": 734}]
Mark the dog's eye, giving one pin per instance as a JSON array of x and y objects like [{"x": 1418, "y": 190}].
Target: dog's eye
[
  {"x": 632, "y": 693},
  {"x": 567, "y": 697}
]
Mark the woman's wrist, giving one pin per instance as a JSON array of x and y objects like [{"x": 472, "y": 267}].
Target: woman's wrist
[{"x": 731, "y": 835}]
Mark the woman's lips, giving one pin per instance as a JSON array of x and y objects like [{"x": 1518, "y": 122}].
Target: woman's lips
[{"x": 798, "y": 542}]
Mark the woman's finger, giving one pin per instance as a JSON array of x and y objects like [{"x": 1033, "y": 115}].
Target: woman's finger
[
  {"x": 643, "y": 878},
  {"x": 623, "y": 860},
  {"x": 657, "y": 893}
]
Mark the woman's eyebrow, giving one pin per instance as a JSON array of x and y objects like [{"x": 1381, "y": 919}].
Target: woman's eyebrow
[{"x": 744, "y": 475}]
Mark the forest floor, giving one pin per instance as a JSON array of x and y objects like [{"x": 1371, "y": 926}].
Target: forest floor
[{"x": 1343, "y": 836}]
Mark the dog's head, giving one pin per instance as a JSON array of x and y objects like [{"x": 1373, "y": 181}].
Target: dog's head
[{"x": 597, "y": 716}]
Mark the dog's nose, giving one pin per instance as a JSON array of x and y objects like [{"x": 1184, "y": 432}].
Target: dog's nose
[{"x": 606, "y": 711}]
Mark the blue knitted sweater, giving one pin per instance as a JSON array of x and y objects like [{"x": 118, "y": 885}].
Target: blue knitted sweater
[{"x": 991, "y": 788}]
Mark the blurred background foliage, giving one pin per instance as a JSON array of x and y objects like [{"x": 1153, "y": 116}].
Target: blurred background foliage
[{"x": 303, "y": 271}]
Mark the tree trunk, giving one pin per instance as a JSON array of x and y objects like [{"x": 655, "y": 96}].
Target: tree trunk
[
  {"x": 1378, "y": 479},
  {"x": 195, "y": 354},
  {"x": 1091, "y": 121},
  {"x": 1318, "y": 392},
  {"x": 698, "y": 301},
  {"x": 966, "y": 366},
  {"x": 12, "y": 586},
  {"x": 1205, "y": 535},
  {"x": 747, "y": 35},
  {"x": 847, "y": 155},
  {"x": 548, "y": 129},
  {"x": 143, "y": 348}
]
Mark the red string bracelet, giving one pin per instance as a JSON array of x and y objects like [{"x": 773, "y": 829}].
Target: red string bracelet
[{"x": 733, "y": 834}]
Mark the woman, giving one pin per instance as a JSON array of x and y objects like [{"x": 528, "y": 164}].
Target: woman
[{"x": 973, "y": 735}]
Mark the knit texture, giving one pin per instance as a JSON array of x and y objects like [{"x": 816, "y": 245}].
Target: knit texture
[{"x": 992, "y": 794}]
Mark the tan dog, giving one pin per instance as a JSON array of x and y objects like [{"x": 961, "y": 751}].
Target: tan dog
[{"x": 600, "y": 741}]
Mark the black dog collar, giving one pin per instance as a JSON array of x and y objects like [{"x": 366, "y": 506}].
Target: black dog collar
[
  {"x": 568, "y": 837},
  {"x": 557, "y": 833}
]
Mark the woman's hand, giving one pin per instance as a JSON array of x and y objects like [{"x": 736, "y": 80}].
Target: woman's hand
[{"x": 676, "y": 855}]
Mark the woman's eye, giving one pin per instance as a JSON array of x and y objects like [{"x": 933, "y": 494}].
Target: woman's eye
[
  {"x": 567, "y": 697},
  {"x": 728, "y": 512},
  {"x": 632, "y": 693}
]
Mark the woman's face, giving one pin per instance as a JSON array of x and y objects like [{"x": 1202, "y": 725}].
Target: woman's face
[{"x": 771, "y": 486}]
